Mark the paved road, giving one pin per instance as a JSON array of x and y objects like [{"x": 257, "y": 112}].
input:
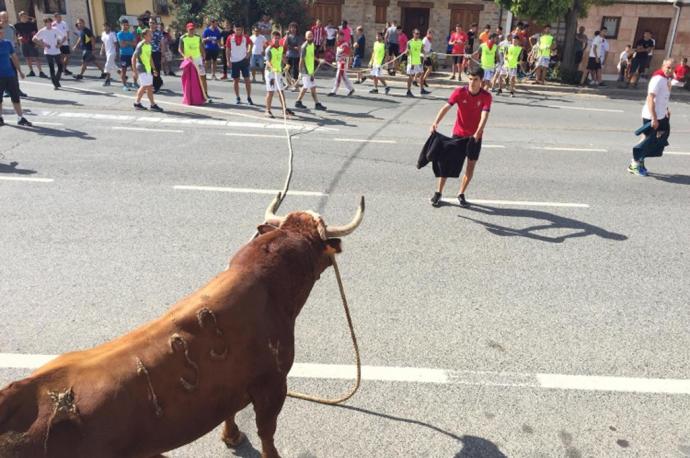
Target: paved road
[{"x": 567, "y": 265}]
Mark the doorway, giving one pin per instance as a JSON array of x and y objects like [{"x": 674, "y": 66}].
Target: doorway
[{"x": 415, "y": 18}]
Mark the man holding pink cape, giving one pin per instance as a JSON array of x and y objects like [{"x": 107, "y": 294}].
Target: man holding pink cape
[{"x": 193, "y": 69}]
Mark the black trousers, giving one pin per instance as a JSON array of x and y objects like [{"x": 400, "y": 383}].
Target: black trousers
[
  {"x": 52, "y": 61},
  {"x": 224, "y": 60},
  {"x": 157, "y": 80}
]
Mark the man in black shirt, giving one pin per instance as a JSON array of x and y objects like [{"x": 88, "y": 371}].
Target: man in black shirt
[
  {"x": 85, "y": 40},
  {"x": 640, "y": 60},
  {"x": 26, "y": 29},
  {"x": 225, "y": 34}
]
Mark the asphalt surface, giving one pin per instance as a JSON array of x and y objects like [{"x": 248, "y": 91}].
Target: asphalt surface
[{"x": 599, "y": 288}]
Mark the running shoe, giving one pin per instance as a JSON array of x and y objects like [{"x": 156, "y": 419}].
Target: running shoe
[
  {"x": 156, "y": 108},
  {"x": 352, "y": 91},
  {"x": 103, "y": 76},
  {"x": 452, "y": 78},
  {"x": 2, "y": 121},
  {"x": 299, "y": 104},
  {"x": 436, "y": 199},
  {"x": 23, "y": 122},
  {"x": 106, "y": 82},
  {"x": 30, "y": 74},
  {"x": 238, "y": 101},
  {"x": 416, "y": 84},
  {"x": 499, "y": 92},
  {"x": 139, "y": 106},
  {"x": 425, "y": 92},
  {"x": 320, "y": 107},
  {"x": 387, "y": 90},
  {"x": 409, "y": 94},
  {"x": 42, "y": 75},
  {"x": 331, "y": 94},
  {"x": 67, "y": 72},
  {"x": 462, "y": 201},
  {"x": 373, "y": 91},
  {"x": 636, "y": 170},
  {"x": 643, "y": 169},
  {"x": 289, "y": 112},
  {"x": 512, "y": 94}
]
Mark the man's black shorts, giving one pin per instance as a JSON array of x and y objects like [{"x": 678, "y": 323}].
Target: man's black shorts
[
  {"x": 330, "y": 42},
  {"x": 11, "y": 85},
  {"x": 592, "y": 64},
  {"x": 638, "y": 64},
  {"x": 211, "y": 55},
  {"x": 65, "y": 50},
  {"x": 458, "y": 59},
  {"x": 393, "y": 49},
  {"x": 29, "y": 50},
  {"x": 428, "y": 62},
  {"x": 450, "y": 165},
  {"x": 125, "y": 61},
  {"x": 241, "y": 67}
]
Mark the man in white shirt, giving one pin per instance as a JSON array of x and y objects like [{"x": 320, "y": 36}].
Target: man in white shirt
[
  {"x": 604, "y": 49},
  {"x": 62, "y": 27},
  {"x": 237, "y": 54},
  {"x": 655, "y": 112},
  {"x": 594, "y": 60},
  {"x": 426, "y": 55},
  {"x": 109, "y": 48},
  {"x": 50, "y": 40},
  {"x": 258, "y": 47}
]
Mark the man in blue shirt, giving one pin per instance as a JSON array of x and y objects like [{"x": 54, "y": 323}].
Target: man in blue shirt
[
  {"x": 211, "y": 38},
  {"x": 127, "y": 41},
  {"x": 9, "y": 67}
]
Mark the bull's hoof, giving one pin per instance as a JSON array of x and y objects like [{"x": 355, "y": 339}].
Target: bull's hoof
[{"x": 235, "y": 441}]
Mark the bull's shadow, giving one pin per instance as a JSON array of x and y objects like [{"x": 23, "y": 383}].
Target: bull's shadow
[
  {"x": 472, "y": 446},
  {"x": 546, "y": 221}
]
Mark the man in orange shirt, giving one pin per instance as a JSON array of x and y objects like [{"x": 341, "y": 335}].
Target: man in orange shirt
[{"x": 484, "y": 36}]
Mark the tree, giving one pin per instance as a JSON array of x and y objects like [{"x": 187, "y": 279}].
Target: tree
[
  {"x": 546, "y": 11},
  {"x": 246, "y": 12}
]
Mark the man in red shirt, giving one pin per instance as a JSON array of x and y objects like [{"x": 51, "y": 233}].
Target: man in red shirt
[
  {"x": 681, "y": 74},
  {"x": 457, "y": 40},
  {"x": 474, "y": 104}
]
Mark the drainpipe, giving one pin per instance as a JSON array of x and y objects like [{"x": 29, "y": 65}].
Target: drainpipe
[
  {"x": 88, "y": 13},
  {"x": 509, "y": 22},
  {"x": 677, "y": 5}
]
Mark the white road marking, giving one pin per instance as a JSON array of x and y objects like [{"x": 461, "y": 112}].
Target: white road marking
[
  {"x": 37, "y": 180},
  {"x": 43, "y": 123},
  {"x": 604, "y": 110},
  {"x": 148, "y": 129},
  {"x": 232, "y": 134},
  {"x": 363, "y": 140},
  {"x": 520, "y": 203},
  {"x": 677, "y": 153},
  {"x": 493, "y": 146},
  {"x": 246, "y": 190},
  {"x": 560, "y": 148},
  {"x": 443, "y": 376}
]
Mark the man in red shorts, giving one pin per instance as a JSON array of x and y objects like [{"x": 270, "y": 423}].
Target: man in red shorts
[{"x": 474, "y": 104}]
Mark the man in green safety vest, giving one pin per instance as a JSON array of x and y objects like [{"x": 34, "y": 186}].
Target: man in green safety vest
[
  {"x": 546, "y": 45},
  {"x": 144, "y": 70},
  {"x": 307, "y": 68},
  {"x": 378, "y": 54},
  {"x": 487, "y": 54},
  {"x": 415, "y": 69},
  {"x": 511, "y": 60},
  {"x": 275, "y": 60},
  {"x": 191, "y": 47}
]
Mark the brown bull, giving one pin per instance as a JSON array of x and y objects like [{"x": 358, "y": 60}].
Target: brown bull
[{"x": 176, "y": 378}]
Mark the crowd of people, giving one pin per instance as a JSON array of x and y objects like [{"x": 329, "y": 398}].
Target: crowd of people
[{"x": 290, "y": 59}]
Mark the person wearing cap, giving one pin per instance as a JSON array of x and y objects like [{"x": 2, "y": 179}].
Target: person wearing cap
[
  {"x": 307, "y": 68},
  {"x": 191, "y": 48},
  {"x": 211, "y": 37},
  {"x": 62, "y": 27},
  {"x": 127, "y": 41}
]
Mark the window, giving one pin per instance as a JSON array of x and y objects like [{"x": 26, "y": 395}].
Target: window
[
  {"x": 114, "y": 9},
  {"x": 2, "y": 5},
  {"x": 161, "y": 7},
  {"x": 54, "y": 6},
  {"x": 381, "y": 11},
  {"x": 659, "y": 28},
  {"x": 612, "y": 23}
]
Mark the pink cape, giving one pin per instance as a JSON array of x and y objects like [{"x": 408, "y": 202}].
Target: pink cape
[{"x": 192, "y": 91}]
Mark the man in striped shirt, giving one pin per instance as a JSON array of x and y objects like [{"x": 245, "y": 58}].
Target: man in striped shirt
[{"x": 319, "y": 35}]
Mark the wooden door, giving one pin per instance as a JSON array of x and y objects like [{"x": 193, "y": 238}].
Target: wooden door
[
  {"x": 415, "y": 18},
  {"x": 464, "y": 17},
  {"x": 327, "y": 12}
]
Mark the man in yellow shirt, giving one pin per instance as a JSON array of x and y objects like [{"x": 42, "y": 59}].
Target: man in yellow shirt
[
  {"x": 191, "y": 48},
  {"x": 415, "y": 69}
]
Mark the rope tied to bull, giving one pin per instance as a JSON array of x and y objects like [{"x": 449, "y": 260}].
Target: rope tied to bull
[{"x": 341, "y": 288}]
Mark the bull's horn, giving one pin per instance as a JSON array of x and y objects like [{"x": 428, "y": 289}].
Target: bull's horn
[
  {"x": 341, "y": 231},
  {"x": 270, "y": 215}
]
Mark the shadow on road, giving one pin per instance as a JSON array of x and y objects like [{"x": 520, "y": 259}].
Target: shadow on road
[
  {"x": 673, "y": 179},
  {"x": 58, "y": 133},
  {"x": 53, "y": 101},
  {"x": 550, "y": 221},
  {"x": 246, "y": 450},
  {"x": 12, "y": 168}
]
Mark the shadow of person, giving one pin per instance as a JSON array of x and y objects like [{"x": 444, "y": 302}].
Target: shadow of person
[
  {"x": 53, "y": 101},
  {"x": 673, "y": 179},
  {"x": 60, "y": 133},
  {"x": 477, "y": 447},
  {"x": 12, "y": 168},
  {"x": 549, "y": 222}
]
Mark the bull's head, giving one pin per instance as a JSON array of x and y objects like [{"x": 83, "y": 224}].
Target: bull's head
[{"x": 311, "y": 226}]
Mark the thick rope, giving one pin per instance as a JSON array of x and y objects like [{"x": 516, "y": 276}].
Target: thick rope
[
  {"x": 353, "y": 390},
  {"x": 284, "y": 192}
]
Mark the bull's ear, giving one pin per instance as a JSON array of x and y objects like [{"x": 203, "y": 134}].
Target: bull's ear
[
  {"x": 264, "y": 228},
  {"x": 333, "y": 246}
]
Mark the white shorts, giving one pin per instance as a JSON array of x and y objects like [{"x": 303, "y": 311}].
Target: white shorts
[
  {"x": 145, "y": 79},
  {"x": 274, "y": 81},
  {"x": 544, "y": 61},
  {"x": 200, "y": 67},
  {"x": 510, "y": 72},
  {"x": 488, "y": 74},
  {"x": 308, "y": 83},
  {"x": 110, "y": 65},
  {"x": 376, "y": 71},
  {"x": 414, "y": 69}
]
